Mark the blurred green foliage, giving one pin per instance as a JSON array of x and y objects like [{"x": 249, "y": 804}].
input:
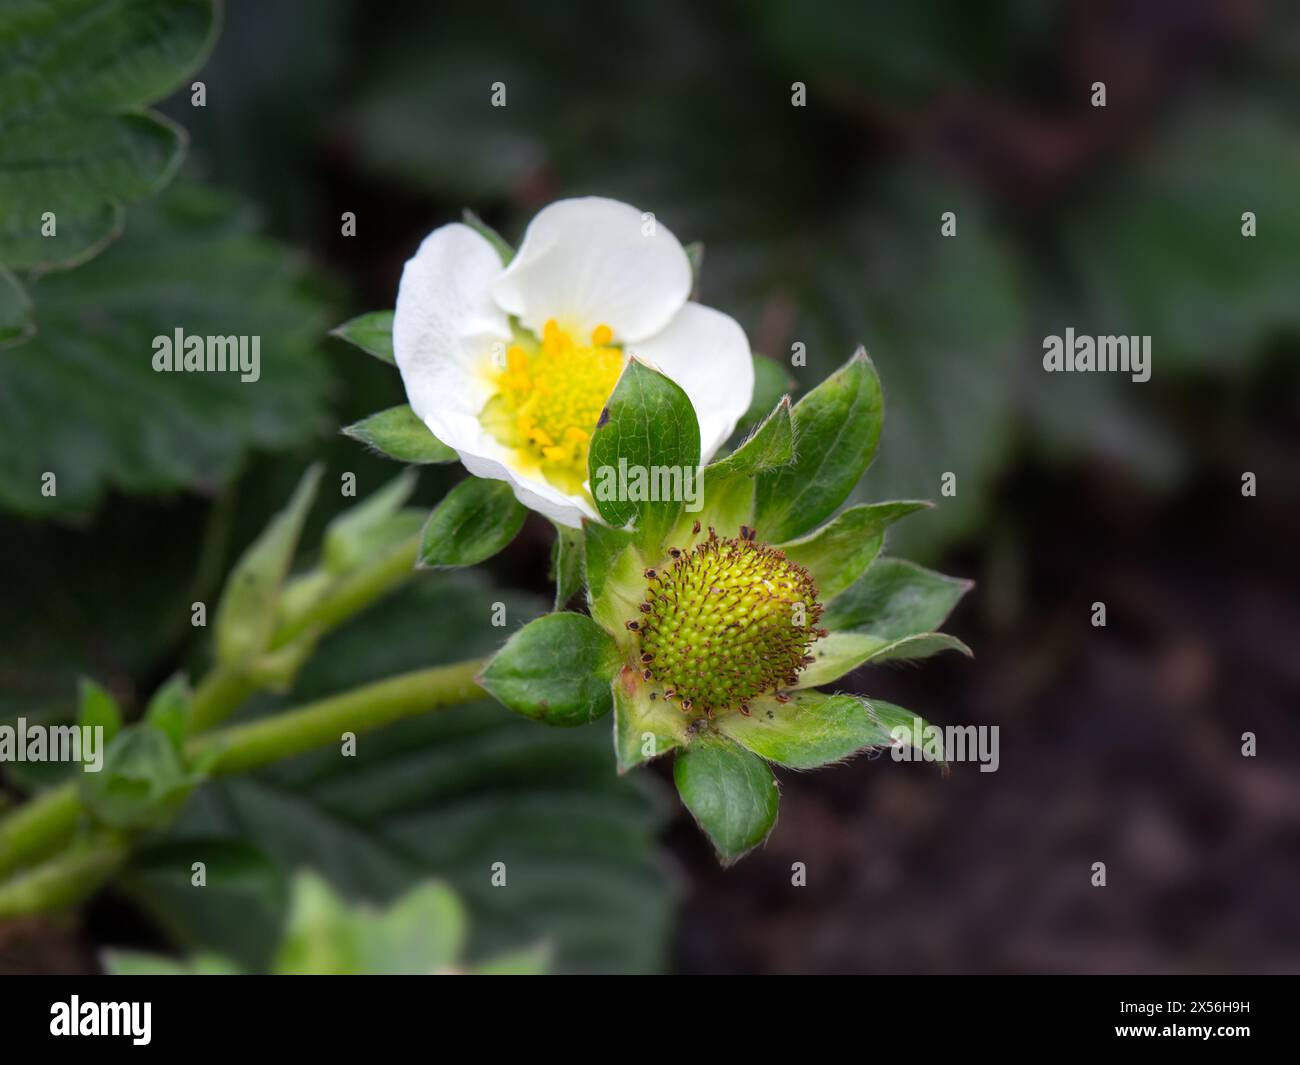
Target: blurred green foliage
[
  {"x": 822, "y": 228},
  {"x": 447, "y": 795}
]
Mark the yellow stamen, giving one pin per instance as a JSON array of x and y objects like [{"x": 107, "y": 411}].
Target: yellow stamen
[{"x": 548, "y": 399}]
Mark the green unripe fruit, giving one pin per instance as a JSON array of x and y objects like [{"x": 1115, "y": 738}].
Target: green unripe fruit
[{"x": 725, "y": 622}]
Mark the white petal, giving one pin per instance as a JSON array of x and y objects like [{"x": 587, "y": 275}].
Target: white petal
[
  {"x": 483, "y": 456},
  {"x": 589, "y": 262},
  {"x": 444, "y": 332},
  {"x": 446, "y": 324},
  {"x": 707, "y": 353}
]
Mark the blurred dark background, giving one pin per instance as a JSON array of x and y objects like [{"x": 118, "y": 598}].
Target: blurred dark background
[{"x": 821, "y": 225}]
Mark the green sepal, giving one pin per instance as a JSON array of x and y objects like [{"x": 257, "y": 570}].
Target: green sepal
[
  {"x": 169, "y": 709},
  {"x": 475, "y": 520},
  {"x": 556, "y": 669},
  {"x": 839, "y": 552},
  {"x": 367, "y": 529},
  {"x": 396, "y": 433},
  {"x": 566, "y": 563},
  {"x": 371, "y": 332},
  {"x": 841, "y": 652},
  {"x": 811, "y": 729},
  {"x": 645, "y": 728},
  {"x": 98, "y": 709},
  {"x": 769, "y": 446},
  {"x": 246, "y": 615},
  {"x": 622, "y": 590},
  {"x": 498, "y": 242},
  {"x": 895, "y": 598},
  {"x": 647, "y": 423},
  {"x": 695, "y": 256},
  {"x": 730, "y": 792},
  {"x": 836, "y": 429},
  {"x": 728, "y": 504},
  {"x": 142, "y": 783},
  {"x": 771, "y": 382},
  {"x": 602, "y": 547}
]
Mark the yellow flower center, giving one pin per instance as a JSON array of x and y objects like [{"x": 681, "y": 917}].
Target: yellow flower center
[{"x": 549, "y": 398}]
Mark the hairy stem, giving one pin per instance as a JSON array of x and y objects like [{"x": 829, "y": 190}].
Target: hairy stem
[
  {"x": 43, "y": 825},
  {"x": 243, "y": 747}
]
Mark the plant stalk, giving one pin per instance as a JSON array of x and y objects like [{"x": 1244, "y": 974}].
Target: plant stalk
[{"x": 41, "y": 826}]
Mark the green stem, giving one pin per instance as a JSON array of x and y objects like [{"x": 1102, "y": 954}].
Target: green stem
[
  {"x": 62, "y": 881},
  {"x": 218, "y": 695},
  {"x": 224, "y": 689},
  {"x": 39, "y": 827},
  {"x": 318, "y": 724},
  {"x": 352, "y": 593},
  {"x": 45, "y": 823}
]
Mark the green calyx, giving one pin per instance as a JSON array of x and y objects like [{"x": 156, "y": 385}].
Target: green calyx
[{"x": 724, "y": 622}]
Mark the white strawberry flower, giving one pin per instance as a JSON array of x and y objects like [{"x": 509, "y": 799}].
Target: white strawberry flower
[{"x": 511, "y": 365}]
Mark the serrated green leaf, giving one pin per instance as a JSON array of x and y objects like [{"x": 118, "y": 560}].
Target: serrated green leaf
[
  {"x": 246, "y": 615},
  {"x": 895, "y": 598},
  {"x": 372, "y": 333},
  {"x": 78, "y": 165},
  {"x": 190, "y": 260},
  {"x": 555, "y": 669},
  {"x": 836, "y": 427},
  {"x": 75, "y": 237},
  {"x": 73, "y": 142},
  {"x": 101, "y": 55},
  {"x": 839, "y": 653},
  {"x": 730, "y": 792},
  {"x": 809, "y": 730},
  {"x": 398, "y": 434},
  {"x": 648, "y": 423},
  {"x": 475, "y": 520},
  {"x": 839, "y": 553}
]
